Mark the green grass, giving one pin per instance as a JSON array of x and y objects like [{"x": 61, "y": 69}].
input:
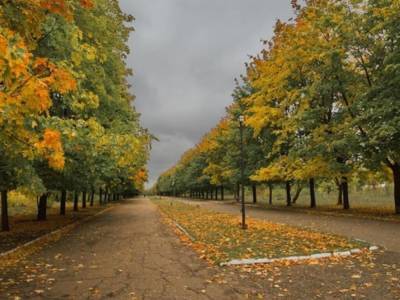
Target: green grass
[
  {"x": 368, "y": 202},
  {"x": 363, "y": 198}
]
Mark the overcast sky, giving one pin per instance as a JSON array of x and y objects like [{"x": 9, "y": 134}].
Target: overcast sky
[{"x": 185, "y": 55}]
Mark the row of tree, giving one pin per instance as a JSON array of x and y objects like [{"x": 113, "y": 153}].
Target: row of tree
[
  {"x": 321, "y": 103},
  {"x": 67, "y": 121}
]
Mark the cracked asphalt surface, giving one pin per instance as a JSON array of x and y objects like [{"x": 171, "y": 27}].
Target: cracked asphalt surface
[{"x": 126, "y": 253}]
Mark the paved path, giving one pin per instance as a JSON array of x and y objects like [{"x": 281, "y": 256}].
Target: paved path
[
  {"x": 382, "y": 233},
  {"x": 126, "y": 253}
]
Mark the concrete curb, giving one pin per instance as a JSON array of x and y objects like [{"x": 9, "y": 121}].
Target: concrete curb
[
  {"x": 50, "y": 235},
  {"x": 184, "y": 231},
  {"x": 251, "y": 261},
  {"x": 241, "y": 262}
]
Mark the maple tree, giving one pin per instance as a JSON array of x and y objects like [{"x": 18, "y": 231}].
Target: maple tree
[{"x": 66, "y": 115}]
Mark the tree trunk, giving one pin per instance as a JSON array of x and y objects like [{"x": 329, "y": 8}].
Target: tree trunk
[
  {"x": 313, "y": 202},
  {"x": 84, "y": 199},
  {"x": 270, "y": 193},
  {"x": 222, "y": 193},
  {"x": 396, "y": 181},
  {"x": 63, "y": 202},
  {"x": 100, "y": 196},
  {"x": 42, "y": 207},
  {"x": 5, "y": 226},
  {"x": 340, "y": 195},
  {"x": 242, "y": 193},
  {"x": 345, "y": 191},
  {"x": 216, "y": 193},
  {"x": 297, "y": 194},
  {"x": 288, "y": 195},
  {"x": 237, "y": 192},
  {"x": 254, "y": 188},
  {"x": 92, "y": 198},
  {"x": 340, "y": 192},
  {"x": 76, "y": 201}
]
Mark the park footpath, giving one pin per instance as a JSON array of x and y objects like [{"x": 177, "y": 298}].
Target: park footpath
[{"x": 130, "y": 253}]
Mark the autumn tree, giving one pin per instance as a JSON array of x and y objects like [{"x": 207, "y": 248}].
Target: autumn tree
[
  {"x": 66, "y": 112},
  {"x": 320, "y": 103}
]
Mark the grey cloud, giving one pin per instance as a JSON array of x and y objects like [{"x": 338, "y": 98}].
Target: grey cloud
[{"x": 185, "y": 55}]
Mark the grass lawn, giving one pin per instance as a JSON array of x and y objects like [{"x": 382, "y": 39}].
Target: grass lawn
[
  {"x": 219, "y": 237},
  {"x": 368, "y": 201}
]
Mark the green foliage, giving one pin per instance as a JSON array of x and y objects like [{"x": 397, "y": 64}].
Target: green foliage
[
  {"x": 321, "y": 102},
  {"x": 67, "y": 120}
]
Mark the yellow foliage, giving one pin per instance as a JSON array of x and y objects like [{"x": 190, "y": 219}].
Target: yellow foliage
[
  {"x": 25, "y": 93},
  {"x": 89, "y": 51},
  {"x": 86, "y": 100},
  {"x": 51, "y": 148},
  {"x": 140, "y": 178}
]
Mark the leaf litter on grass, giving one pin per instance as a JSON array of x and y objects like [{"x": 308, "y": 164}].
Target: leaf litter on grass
[
  {"x": 366, "y": 274},
  {"x": 219, "y": 237}
]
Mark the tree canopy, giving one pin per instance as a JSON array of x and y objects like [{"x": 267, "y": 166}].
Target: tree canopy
[
  {"x": 67, "y": 120},
  {"x": 320, "y": 103}
]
